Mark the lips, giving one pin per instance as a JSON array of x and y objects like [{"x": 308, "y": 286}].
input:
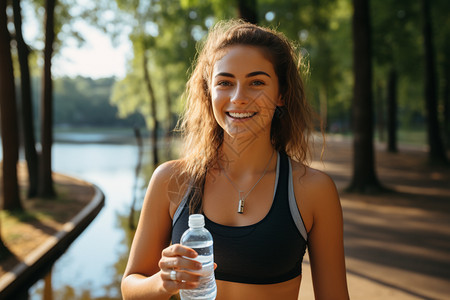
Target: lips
[{"x": 241, "y": 115}]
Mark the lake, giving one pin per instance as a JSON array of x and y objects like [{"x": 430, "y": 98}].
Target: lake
[{"x": 93, "y": 265}]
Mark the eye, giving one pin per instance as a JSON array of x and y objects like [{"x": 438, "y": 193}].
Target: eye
[
  {"x": 257, "y": 82},
  {"x": 223, "y": 83}
]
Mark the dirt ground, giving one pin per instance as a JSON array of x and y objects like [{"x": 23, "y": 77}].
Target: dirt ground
[
  {"x": 397, "y": 244},
  {"x": 24, "y": 232}
]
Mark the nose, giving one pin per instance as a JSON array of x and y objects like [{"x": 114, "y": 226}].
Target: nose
[{"x": 239, "y": 95}]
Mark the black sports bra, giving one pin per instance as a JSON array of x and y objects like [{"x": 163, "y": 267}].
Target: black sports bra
[{"x": 270, "y": 251}]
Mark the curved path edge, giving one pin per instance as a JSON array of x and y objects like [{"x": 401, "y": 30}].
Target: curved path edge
[{"x": 39, "y": 262}]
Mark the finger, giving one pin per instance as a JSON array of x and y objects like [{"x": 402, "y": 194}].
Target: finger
[
  {"x": 215, "y": 266},
  {"x": 173, "y": 286},
  {"x": 179, "y": 250},
  {"x": 181, "y": 276},
  {"x": 179, "y": 262}
]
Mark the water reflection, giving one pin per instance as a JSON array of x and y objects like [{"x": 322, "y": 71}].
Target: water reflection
[{"x": 93, "y": 265}]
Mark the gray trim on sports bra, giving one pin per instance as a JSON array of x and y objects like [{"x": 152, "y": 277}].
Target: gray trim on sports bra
[
  {"x": 183, "y": 201},
  {"x": 295, "y": 212}
]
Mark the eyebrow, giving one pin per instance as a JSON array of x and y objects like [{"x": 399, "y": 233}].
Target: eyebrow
[{"x": 256, "y": 73}]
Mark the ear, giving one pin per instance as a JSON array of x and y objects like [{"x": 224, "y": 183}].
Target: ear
[{"x": 279, "y": 101}]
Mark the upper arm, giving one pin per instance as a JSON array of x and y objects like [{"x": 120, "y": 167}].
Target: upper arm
[
  {"x": 154, "y": 228},
  {"x": 325, "y": 237}
]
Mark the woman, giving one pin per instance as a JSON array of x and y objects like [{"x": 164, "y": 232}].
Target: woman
[{"x": 247, "y": 129}]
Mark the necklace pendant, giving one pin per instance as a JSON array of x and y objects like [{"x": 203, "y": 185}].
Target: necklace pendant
[{"x": 241, "y": 206}]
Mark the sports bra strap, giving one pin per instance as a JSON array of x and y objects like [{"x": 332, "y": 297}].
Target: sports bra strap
[
  {"x": 295, "y": 211},
  {"x": 182, "y": 204}
]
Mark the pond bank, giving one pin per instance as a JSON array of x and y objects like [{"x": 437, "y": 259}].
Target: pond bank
[{"x": 40, "y": 236}]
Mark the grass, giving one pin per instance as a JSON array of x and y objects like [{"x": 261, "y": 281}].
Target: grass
[
  {"x": 416, "y": 137},
  {"x": 24, "y": 231},
  {"x": 37, "y": 211}
]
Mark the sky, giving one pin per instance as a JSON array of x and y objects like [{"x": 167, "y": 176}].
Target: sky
[{"x": 96, "y": 58}]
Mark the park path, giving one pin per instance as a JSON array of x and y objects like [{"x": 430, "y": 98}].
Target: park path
[{"x": 397, "y": 245}]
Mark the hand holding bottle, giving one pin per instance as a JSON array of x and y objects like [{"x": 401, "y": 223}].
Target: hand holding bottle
[{"x": 179, "y": 269}]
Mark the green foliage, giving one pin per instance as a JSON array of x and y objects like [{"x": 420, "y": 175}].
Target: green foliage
[
  {"x": 83, "y": 102},
  {"x": 321, "y": 29},
  {"x": 167, "y": 31},
  {"x": 397, "y": 45}
]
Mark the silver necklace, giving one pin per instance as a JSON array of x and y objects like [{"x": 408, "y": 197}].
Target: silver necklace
[{"x": 243, "y": 196}]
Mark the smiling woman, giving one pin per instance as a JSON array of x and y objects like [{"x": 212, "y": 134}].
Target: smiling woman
[
  {"x": 244, "y": 98},
  {"x": 247, "y": 127}
]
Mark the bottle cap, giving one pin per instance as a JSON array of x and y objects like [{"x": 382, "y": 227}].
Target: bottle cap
[{"x": 196, "y": 220}]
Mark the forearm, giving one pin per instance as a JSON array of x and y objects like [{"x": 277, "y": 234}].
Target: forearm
[{"x": 136, "y": 287}]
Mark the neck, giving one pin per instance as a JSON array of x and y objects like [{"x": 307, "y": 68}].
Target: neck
[{"x": 248, "y": 156}]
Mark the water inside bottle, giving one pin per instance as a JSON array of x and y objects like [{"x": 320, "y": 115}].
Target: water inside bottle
[{"x": 207, "y": 289}]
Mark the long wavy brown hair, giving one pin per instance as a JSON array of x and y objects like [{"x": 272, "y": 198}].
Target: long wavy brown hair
[{"x": 292, "y": 123}]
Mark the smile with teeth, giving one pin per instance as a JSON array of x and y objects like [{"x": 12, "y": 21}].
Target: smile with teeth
[{"x": 245, "y": 115}]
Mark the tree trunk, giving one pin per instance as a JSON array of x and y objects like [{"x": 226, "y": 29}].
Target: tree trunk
[
  {"x": 323, "y": 100},
  {"x": 436, "y": 153},
  {"x": 364, "y": 176},
  {"x": 45, "y": 188},
  {"x": 26, "y": 104},
  {"x": 392, "y": 111},
  {"x": 8, "y": 116},
  {"x": 168, "y": 135},
  {"x": 446, "y": 91},
  {"x": 247, "y": 10},
  {"x": 168, "y": 104},
  {"x": 380, "y": 112},
  {"x": 4, "y": 251},
  {"x": 137, "y": 170},
  {"x": 152, "y": 108},
  {"x": 446, "y": 100}
]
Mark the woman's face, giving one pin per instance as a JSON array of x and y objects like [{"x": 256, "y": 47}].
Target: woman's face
[{"x": 244, "y": 92}]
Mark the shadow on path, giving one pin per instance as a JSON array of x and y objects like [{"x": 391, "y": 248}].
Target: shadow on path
[{"x": 399, "y": 240}]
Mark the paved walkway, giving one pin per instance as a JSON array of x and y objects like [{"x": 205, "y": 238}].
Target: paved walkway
[{"x": 397, "y": 245}]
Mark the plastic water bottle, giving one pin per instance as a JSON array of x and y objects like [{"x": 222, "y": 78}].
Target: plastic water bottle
[{"x": 198, "y": 238}]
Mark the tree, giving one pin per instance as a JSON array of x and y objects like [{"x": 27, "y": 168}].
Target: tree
[
  {"x": 8, "y": 116},
  {"x": 436, "y": 152},
  {"x": 151, "y": 93},
  {"x": 445, "y": 65},
  {"x": 46, "y": 188},
  {"x": 394, "y": 47},
  {"x": 52, "y": 27},
  {"x": 143, "y": 42},
  {"x": 248, "y": 10},
  {"x": 321, "y": 32},
  {"x": 7, "y": 113},
  {"x": 392, "y": 111},
  {"x": 26, "y": 103},
  {"x": 446, "y": 100},
  {"x": 364, "y": 175},
  {"x": 163, "y": 47}
]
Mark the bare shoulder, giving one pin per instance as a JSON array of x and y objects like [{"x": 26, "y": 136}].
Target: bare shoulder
[
  {"x": 311, "y": 181},
  {"x": 315, "y": 192},
  {"x": 169, "y": 182},
  {"x": 169, "y": 174},
  {"x": 167, "y": 170}
]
